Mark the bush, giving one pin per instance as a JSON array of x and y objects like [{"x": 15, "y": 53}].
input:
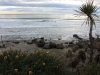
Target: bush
[
  {"x": 92, "y": 69},
  {"x": 74, "y": 63},
  {"x": 97, "y": 58},
  {"x": 81, "y": 55},
  {"x": 36, "y": 63}
]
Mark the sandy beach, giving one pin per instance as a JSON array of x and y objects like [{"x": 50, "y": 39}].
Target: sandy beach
[{"x": 25, "y": 46}]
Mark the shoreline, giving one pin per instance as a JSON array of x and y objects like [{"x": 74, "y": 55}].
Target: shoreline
[
  {"x": 27, "y": 37},
  {"x": 26, "y": 46},
  {"x": 31, "y": 44}
]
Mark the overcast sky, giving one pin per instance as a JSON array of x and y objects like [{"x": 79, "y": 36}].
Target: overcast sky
[{"x": 41, "y": 6}]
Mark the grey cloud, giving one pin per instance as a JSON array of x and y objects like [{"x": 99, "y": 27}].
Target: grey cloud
[
  {"x": 29, "y": 5},
  {"x": 12, "y": 3}
]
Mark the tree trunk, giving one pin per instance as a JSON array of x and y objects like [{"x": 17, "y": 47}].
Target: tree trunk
[{"x": 91, "y": 39}]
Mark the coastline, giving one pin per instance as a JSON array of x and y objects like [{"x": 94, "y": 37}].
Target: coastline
[
  {"x": 23, "y": 44},
  {"x": 67, "y": 51}
]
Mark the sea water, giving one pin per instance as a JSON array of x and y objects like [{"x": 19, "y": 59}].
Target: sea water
[{"x": 35, "y": 26}]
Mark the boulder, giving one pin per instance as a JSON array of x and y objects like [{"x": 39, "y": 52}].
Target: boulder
[
  {"x": 77, "y": 37},
  {"x": 79, "y": 45},
  {"x": 42, "y": 38},
  {"x": 29, "y": 43},
  {"x": 34, "y": 41},
  {"x": 46, "y": 46},
  {"x": 52, "y": 45},
  {"x": 66, "y": 43},
  {"x": 2, "y": 46},
  {"x": 60, "y": 46},
  {"x": 40, "y": 43},
  {"x": 71, "y": 43},
  {"x": 16, "y": 42}
]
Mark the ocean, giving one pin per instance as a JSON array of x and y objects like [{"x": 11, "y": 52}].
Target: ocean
[{"x": 29, "y": 26}]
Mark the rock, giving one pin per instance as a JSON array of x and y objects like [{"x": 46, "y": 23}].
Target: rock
[
  {"x": 77, "y": 37},
  {"x": 2, "y": 46},
  {"x": 40, "y": 43},
  {"x": 60, "y": 46},
  {"x": 16, "y": 42},
  {"x": 59, "y": 38},
  {"x": 42, "y": 38},
  {"x": 79, "y": 45},
  {"x": 34, "y": 41},
  {"x": 29, "y": 43},
  {"x": 66, "y": 43},
  {"x": 52, "y": 45},
  {"x": 71, "y": 43},
  {"x": 46, "y": 46},
  {"x": 97, "y": 39}
]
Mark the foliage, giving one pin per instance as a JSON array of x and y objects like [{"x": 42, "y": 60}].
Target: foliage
[
  {"x": 81, "y": 55},
  {"x": 89, "y": 10},
  {"x": 36, "y": 63},
  {"x": 92, "y": 69},
  {"x": 97, "y": 58},
  {"x": 74, "y": 63}
]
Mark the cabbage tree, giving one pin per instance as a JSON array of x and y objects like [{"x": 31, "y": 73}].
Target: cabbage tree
[{"x": 89, "y": 9}]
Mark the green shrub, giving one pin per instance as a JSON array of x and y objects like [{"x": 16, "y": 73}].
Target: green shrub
[
  {"x": 92, "y": 69},
  {"x": 81, "y": 55},
  {"x": 74, "y": 63},
  {"x": 97, "y": 58},
  {"x": 36, "y": 63}
]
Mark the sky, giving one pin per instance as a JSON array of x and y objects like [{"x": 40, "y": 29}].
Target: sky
[{"x": 41, "y": 6}]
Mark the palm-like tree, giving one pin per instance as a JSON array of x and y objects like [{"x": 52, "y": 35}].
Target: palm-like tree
[{"x": 89, "y": 9}]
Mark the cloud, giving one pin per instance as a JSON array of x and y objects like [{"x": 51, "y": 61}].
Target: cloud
[{"x": 41, "y": 6}]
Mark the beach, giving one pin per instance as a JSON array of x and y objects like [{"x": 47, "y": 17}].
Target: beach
[
  {"x": 27, "y": 46},
  {"x": 55, "y": 29},
  {"x": 50, "y": 35}
]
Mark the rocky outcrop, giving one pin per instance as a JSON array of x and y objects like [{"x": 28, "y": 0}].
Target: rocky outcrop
[
  {"x": 77, "y": 37},
  {"x": 46, "y": 46},
  {"x": 52, "y": 45},
  {"x": 40, "y": 42},
  {"x": 60, "y": 46}
]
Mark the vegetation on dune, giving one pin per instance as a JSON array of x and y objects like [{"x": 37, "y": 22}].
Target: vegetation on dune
[
  {"x": 36, "y": 63},
  {"x": 92, "y": 69}
]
